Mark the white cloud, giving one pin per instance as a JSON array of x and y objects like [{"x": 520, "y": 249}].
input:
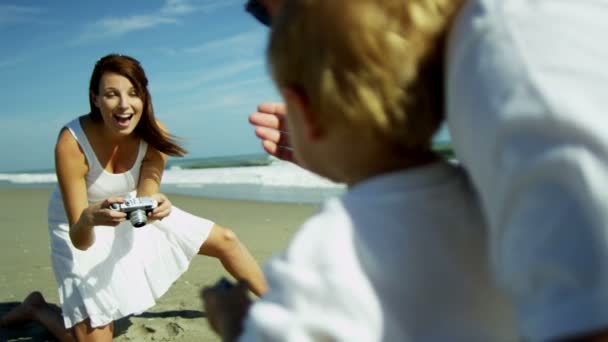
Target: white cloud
[
  {"x": 121, "y": 26},
  {"x": 177, "y": 8},
  {"x": 218, "y": 73},
  {"x": 14, "y": 13},
  {"x": 244, "y": 45},
  {"x": 208, "y": 6},
  {"x": 170, "y": 13},
  {"x": 247, "y": 83},
  {"x": 235, "y": 99},
  {"x": 241, "y": 40},
  {"x": 116, "y": 27}
]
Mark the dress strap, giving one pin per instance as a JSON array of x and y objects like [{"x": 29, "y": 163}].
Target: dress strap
[
  {"x": 141, "y": 153},
  {"x": 76, "y": 129}
]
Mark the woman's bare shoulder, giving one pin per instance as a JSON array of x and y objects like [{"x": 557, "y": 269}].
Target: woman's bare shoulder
[{"x": 67, "y": 146}]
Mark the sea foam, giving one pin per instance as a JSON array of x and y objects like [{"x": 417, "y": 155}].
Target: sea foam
[{"x": 278, "y": 181}]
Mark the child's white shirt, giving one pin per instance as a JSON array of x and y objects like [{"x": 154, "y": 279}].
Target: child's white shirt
[{"x": 400, "y": 257}]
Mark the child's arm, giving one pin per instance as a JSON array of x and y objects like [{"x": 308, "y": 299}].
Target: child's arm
[{"x": 226, "y": 306}]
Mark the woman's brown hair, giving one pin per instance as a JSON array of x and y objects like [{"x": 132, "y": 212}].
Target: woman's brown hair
[{"x": 147, "y": 128}]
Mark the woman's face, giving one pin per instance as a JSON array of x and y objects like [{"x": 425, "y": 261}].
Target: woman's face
[{"x": 120, "y": 105}]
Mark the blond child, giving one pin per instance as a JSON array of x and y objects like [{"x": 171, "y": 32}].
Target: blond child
[{"x": 402, "y": 255}]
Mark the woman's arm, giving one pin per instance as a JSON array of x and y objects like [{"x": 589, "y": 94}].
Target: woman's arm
[
  {"x": 150, "y": 175},
  {"x": 151, "y": 172},
  {"x": 71, "y": 168}
]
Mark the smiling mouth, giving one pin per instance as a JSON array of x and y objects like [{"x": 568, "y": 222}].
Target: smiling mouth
[{"x": 123, "y": 120}]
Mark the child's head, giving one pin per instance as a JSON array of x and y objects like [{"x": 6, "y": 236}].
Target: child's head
[{"x": 374, "y": 66}]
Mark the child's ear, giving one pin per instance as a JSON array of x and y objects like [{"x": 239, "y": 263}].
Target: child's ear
[{"x": 310, "y": 119}]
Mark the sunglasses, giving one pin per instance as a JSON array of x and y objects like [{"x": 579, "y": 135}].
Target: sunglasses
[{"x": 258, "y": 11}]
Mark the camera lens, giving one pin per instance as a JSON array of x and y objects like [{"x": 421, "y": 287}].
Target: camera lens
[{"x": 138, "y": 218}]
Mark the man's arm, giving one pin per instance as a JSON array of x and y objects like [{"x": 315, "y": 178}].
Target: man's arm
[{"x": 531, "y": 131}]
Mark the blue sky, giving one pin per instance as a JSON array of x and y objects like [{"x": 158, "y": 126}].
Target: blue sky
[{"x": 204, "y": 60}]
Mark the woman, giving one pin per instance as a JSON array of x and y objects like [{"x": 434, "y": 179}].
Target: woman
[{"x": 105, "y": 268}]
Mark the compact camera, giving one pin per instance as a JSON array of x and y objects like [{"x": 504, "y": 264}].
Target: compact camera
[{"x": 137, "y": 209}]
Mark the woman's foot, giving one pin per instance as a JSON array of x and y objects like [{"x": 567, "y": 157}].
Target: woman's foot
[
  {"x": 35, "y": 309},
  {"x": 26, "y": 311}
]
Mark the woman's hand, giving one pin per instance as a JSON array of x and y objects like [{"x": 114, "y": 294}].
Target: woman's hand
[
  {"x": 100, "y": 214},
  {"x": 163, "y": 210}
]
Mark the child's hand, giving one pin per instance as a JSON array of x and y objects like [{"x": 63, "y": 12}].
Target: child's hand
[
  {"x": 271, "y": 127},
  {"x": 226, "y": 306}
]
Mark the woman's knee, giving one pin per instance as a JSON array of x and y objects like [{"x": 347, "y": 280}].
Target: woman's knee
[{"x": 221, "y": 241}]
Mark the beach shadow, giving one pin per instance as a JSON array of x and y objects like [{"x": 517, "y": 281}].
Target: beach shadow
[
  {"x": 30, "y": 332},
  {"x": 34, "y": 332},
  {"x": 121, "y": 326},
  {"x": 188, "y": 314}
]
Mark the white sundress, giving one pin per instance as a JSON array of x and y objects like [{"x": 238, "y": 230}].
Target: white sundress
[{"x": 127, "y": 268}]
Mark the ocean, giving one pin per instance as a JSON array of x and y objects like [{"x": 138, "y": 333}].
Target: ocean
[{"x": 256, "y": 177}]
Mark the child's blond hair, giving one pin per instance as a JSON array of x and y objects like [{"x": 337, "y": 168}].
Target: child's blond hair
[{"x": 378, "y": 64}]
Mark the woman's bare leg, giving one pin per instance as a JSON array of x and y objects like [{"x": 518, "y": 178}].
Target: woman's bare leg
[
  {"x": 35, "y": 309},
  {"x": 85, "y": 333},
  {"x": 223, "y": 244}
]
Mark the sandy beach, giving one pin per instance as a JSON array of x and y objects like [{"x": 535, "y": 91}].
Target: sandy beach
[{"x": 265, "y": 228}]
